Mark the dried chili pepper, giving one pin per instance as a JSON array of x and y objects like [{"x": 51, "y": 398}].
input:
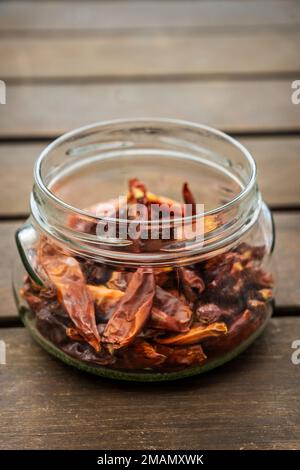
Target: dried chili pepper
[
  {"x": 52, "y": 321},
  {"x": 95, "y": 273},
  {"x": 137, "y": 193},
  {"x": 85, "y": 353},
  {"x": 169, "y": 313},
  {"x": 195, "y": 334},
  {"x": 65, "y": 274},
  {"x": 193, "y": 284},
  {"x": 150, "y": 318},
  {"x": 246, "y": 324},
  {"x": 140, "y": 355},
  {"x": 73, "y": 334},
  {"x": 188, "y": 197},
  {"x": 211, "y": 312},
  {"x": 179, "y": 357},
  {"x": 106, "y": 300},
  {"x": 119, "y": 280},
  {"x": 133, "y": 311}
]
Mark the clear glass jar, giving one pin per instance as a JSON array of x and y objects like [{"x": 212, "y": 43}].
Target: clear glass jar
[{"x": 157, "y": 308}]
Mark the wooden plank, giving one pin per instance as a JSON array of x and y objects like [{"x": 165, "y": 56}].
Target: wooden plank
[
  {"x": 42, "y": 110},
  {"x": 8, "y": 265},
  {"x": 50, "y": 406},
  {"x": 278, "y": 162},
  {"x": 120, "y": 15},
  {"x": 17, "y": 161},
  {"x": 278, "y": 166},
  {"x": 286, "y": 259},
  {"x": 150, "y": 55}
]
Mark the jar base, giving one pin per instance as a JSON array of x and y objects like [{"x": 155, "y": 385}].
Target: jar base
[{"x": 141, "y": 376}]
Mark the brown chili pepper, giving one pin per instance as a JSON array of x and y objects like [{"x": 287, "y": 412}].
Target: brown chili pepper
[
  {"x": 188, "y": 197},
  {"x": 119, "y": 280},
  {"x": 140, "y": 355},
  {"x": 179, "y": 357},
  {"x": 210, "y": 222},
  {"x": 86, "y": 224},
  {"x": 105, "y": 299},
  {"x": 137, "y": 193},
  {"x": 195, "y": 334},
  {"x": 34, "y": 301},
  {"x": 83, "y": 352},
  {"x": 210, "y": 313},
  {"x": 94, "y": 273},
  {"x": 65, "y": 274},
  {"x": 219, "y": 302},
  {"x": 52, "y": 321},
  {"x": 245, "y": 325},
  {"x": 169, "y": 312},
  {"x": 193, "y": 285},
  {"x": 133, "y": 311},
  {"x": 73, "y": 334}
]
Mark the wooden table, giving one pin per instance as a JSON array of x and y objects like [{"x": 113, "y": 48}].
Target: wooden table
[{"x": 229, "y": 64}]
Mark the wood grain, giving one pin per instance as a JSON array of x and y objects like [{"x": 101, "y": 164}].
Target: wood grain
[
  {"x": 17, "y": 162},
  {"x": 119, "y": 15},
  {"x": 145, "y": 55},
  {"x": 234, "y": 106},
  {"x": 286, "y": 262},
  {"x": 287, "y": 259},
  {"x": 277, "y": 160},
  {"x": 247, "y": 404},
  {"x": 278, "y": 167},
  {"x": 226, "y": 64}
]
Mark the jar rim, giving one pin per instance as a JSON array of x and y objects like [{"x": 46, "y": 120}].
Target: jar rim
[{"x": 153, "y": 121}]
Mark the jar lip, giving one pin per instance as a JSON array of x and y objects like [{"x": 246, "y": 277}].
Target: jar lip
[{"x": 152, "y": 121}]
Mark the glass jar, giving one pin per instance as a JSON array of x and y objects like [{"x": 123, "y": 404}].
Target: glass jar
[{"x": 145, "y": 307}]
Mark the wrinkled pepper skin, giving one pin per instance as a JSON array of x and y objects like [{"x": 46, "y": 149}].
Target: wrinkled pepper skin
[
  {"x": 133, "y": 311},
  {"x": 65, "y": 275},
  {"x": 196, "y": 334},
  {"x": 164, "y": 318}
]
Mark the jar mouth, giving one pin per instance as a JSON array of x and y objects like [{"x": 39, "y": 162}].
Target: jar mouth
[
  {"x": 69, "y": 136},
  {"x": 93, "y": 164}
]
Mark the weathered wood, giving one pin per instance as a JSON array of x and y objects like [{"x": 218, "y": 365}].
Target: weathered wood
[
  {"x": 108, "y": 15},
  {"x": 9, "y": 257},
  {"x": 278, "y": 166},
  {"x": 247, "y": 404},
  {"x": 286, "y": 258},
  {"x": 150, "y": 55},
  {"x": 155, "y": 57},
  {"x": 234, "y": 106},
  {"x": 277, "y": 160},
  {"x": 17, "y": 162}
]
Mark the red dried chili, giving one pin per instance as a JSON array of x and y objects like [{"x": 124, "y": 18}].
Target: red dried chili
[
  {"x": 65, "y": 274},
  {"x": 133, "y": 311},
  {"x": 163, "y": 318}
]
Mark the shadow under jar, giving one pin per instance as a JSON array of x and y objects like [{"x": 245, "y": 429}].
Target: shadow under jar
[{"x": 169, "y": 291}]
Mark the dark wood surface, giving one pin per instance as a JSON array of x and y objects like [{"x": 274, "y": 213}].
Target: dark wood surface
[
  {"x": 275, "y": 158},
  {"x": 148, "y": 55},
  {"x": 245, "y": 106},
  {"x": 225, "y": 63},
  {"x": 248, "y": 404}
]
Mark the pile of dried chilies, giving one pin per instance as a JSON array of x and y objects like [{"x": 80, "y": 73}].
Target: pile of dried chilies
[{"x": 162, "y": 319}]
